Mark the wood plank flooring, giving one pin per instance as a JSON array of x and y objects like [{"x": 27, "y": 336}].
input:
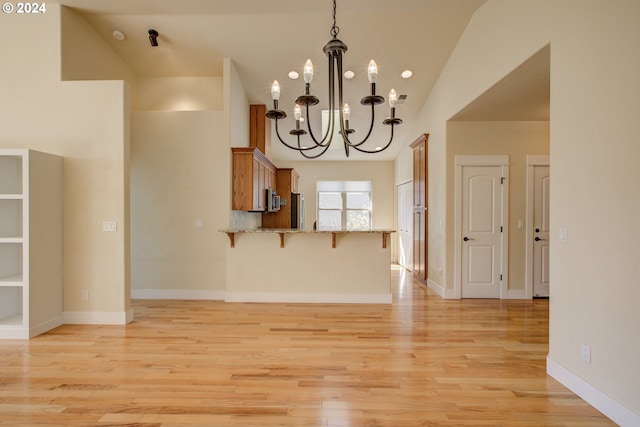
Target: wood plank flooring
[{"x": 421, "y": 361}]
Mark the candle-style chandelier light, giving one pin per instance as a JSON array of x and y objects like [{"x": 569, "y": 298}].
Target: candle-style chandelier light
[{"x": 334, "y": 50}]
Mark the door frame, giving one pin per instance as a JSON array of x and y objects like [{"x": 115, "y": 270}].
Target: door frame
[
  {"x": 480, "y": 160},
  {"x": 532, "y": 162}
]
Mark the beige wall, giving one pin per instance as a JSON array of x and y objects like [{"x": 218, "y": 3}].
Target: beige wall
[
  {"x": 358, "y": 273},
  {"x": 516, "y": 139},
  {"x": 380, "y": 173},
  {"x": 175, "y": 212},
  {"x": 593, "y": 150},
  {"x": 64, "y": 118},
  {"x": 85, "y": 55},
  {"x": 180, "y": 165},
  {"x": 178, "y": 94}
]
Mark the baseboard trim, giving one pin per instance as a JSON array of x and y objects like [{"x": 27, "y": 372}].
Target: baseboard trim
[
  {"x": 611, "y": 408},
  {"x": 276, "y": 297},
  {"x": 97, "y": 318},
  {"x": 441, "y": 290},
  {"x": 436, "y": 288},
  {"x": 45, "y": 326},
  {"x": 176, "y": 294}
]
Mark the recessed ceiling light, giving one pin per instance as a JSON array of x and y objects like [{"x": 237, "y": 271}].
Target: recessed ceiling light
[
  {"x": 293, "y": 75},
  {"x": 118, "y": 35},
  {"x": 349, "y": 74},
  {"x": 406, "y": 74}
]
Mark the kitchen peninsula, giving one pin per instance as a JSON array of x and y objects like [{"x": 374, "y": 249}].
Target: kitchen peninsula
[{"x": 289, "y": 265}]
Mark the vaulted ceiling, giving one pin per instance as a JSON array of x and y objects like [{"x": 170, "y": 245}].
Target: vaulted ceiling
[{"x": 267, "y": 39}]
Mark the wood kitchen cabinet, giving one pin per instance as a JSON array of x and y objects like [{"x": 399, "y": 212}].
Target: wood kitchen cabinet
[
  {"x": 253, "y": 173},
  {"x": 420, "y": 208},
  {"x": 286, "y": 183}
]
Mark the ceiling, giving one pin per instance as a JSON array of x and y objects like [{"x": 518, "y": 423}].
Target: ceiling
[{"x": 267, "y": 39}]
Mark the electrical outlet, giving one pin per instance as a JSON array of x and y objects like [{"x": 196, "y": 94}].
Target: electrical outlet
[
  {"x": 586, "y": 353},
  {"x": 85, "y": 295}
]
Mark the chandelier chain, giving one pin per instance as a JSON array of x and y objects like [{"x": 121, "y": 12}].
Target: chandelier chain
[{"x": 335, "y": 29}]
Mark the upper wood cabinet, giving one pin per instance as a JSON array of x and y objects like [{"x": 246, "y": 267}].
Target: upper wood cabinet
[
  {"x": 253, "y": 173},
  {"x": 420, "y": 208},
  {"x": 259, "y": 129},
  {"x": 286, "y": 183}
]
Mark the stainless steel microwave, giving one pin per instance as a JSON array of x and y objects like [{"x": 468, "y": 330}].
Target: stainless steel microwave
[{"x": 273, "y": 201}]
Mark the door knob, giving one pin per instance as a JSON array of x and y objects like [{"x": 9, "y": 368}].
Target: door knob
[
  {"x": 537, "y": 239},
  {"x": 466, "y": 239}
]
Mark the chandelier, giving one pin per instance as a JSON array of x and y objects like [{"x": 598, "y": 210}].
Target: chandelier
[{"x": 338, "y": 110}]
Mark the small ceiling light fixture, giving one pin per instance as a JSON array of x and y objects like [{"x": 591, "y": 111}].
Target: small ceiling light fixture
[
  {"x": 153, "y": 37},
  {"x": 293, "y": 75},
  {"x": 406, "y": 74},
  {"x": 338, "y": 110},
  {"x": 118, "y": 35},
  {"x": 349, "y": 75}
]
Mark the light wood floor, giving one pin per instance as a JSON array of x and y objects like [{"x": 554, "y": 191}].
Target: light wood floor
[{"x": 421, "y": 361}]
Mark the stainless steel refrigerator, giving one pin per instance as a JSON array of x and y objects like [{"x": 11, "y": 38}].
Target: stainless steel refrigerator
[{"x": 297, "y": 211}]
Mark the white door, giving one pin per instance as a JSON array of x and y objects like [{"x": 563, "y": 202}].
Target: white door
[
  {"x": 541, "y": 186},
  {"x": 405, "y": 223},
  {"x": 482, "y": 206}
]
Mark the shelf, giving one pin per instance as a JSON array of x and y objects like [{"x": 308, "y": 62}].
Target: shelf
[
  {"x": 10, "y": 258},
  {"x": 11, "y": 174},
  {"x": 13, "y": 280},
  {"x": 11, "y": 240},
  {"x": 10, "y": 218},
  {"x": 11, "y": 197},
  {"x": 11, "y": 305},
  {"x": 12, "y": 321}
]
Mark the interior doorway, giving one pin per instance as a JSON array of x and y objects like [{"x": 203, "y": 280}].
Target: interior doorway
[
  {"x": 481, "y": 235},
  {"x": 538, "y": 189},
  {"x": 405, "y": 225}
]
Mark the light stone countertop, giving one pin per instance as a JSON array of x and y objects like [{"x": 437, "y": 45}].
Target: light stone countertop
[
  {"x": 294, "y": 230},
  {"x": 282, "y": 231}
]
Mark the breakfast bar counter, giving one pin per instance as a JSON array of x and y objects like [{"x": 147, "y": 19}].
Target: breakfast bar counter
[
  {"x": 282, "y": 231},
  {"x": 297, "y": 266}
]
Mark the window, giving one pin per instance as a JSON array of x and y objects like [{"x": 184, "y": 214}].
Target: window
[{"x": 344, "y": 205}]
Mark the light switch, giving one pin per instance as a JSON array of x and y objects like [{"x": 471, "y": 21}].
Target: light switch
[
  {"x": 562, "y": 234},
  {"x": 109, "y": 226}
]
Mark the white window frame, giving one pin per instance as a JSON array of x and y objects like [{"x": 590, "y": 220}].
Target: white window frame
[{"x": 344, "y": 187}]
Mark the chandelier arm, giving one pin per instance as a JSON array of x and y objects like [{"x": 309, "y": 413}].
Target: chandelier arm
[
  {"x": 298, "y": 148},
  {"x": 315, "y": 156},
  {"x": 322, "y": 143},
  {"x": 362, "y": 150}
]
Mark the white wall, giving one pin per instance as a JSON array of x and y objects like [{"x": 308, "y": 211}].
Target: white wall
[{"x": 593, "y": 147}]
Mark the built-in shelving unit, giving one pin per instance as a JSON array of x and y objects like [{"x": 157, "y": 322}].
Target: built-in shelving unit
[{"x": 30, "y": 243}]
